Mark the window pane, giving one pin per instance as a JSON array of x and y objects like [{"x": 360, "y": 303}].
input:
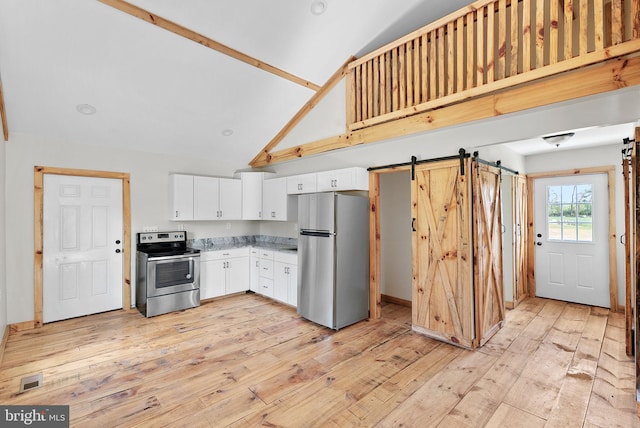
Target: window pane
[
  {"x": 554, "y": 231},
  {"x": 584, "y": 193},
  {"x": 553, "y": 194},
  {"x": 569, "y": 231},
  {"x": 553, "y": 211},
  {"x": 569, "y": 210},
  {"x": 568, "y": 194},
  {"x": 585, "y": 232},
  {"x": 584, "y": 212}
]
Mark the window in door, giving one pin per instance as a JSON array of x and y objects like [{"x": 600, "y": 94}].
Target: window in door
[{"x": 570, "y": 213}]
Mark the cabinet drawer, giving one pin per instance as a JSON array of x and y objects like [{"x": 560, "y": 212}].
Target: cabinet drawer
[
  {"x": 290, "y": 258},
  {"x": 266, "y": 287},
  {"x": 224, "y": 254},
  {"x": 266, "y": 269},
  {"x": 265, "y": 254}
]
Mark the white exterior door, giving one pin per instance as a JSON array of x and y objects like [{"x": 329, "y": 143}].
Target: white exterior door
[
  {"x": 82, "y": 243},
  {"x": 571, "y": 222}
]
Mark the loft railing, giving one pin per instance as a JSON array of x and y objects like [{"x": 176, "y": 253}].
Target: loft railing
[{"x": 487, "y": 46}]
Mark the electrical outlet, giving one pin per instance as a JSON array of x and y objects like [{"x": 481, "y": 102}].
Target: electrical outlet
[
  {"x": 228, "y": 226},
  {"x": 180, "y": 226},
  {"x": 150, "y": 228}
]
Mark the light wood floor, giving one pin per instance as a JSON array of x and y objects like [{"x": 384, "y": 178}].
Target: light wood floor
[{"x": 248, "y": 361}]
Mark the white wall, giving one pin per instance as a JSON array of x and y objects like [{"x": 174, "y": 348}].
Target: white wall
[
  {"x": 395, "y": 234},
  {"x": 149, "y": 202},
  {"x": 3, "y": 272},
  {"x": 595, "y": 157}
]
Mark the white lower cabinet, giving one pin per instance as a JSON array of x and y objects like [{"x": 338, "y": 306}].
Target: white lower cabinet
[
  {"x": 224, "y": 272},
  {"x": 276, "y": 275},
  {"x": 254, "y": 270},
  {"x": 285, "y": 280}
]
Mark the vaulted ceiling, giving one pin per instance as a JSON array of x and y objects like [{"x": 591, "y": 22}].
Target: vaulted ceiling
[{"x": 156, "y": 91}]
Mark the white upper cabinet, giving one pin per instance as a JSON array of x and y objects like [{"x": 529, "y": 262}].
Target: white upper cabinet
[
  {"x": 276, "y": 203},
  {"x": 204, "y": 198},
  {"x": 180, "y": 197},
  {"x": 252, "y": 193},
  {"x": 230, "y": 199},
  {"x": 343, "y": 179},
  {"x": 206, "y": 192},
  {"x": 304, "y": 183}
]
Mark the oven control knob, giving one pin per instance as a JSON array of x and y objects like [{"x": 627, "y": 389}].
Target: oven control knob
[{"x": 188, "y": 276}]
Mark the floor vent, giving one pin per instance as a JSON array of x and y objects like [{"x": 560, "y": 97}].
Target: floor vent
[{"x": 30, "y": 382}]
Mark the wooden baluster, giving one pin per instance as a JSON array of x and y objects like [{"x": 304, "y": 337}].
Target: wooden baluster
[
  {"x": 388, "y": 98},
  {"x": 617, "y": 33},
  {"x": 501, "y": 71},
  {"x": 433, "y": 61},
  {"x": 584, "y": 27},
  {"x": 424, "y": 60},
  {"x": 513, "y": 63},
  {"x": 598, "y": 19},
  {"x": 351, "y": 97},
  {"x": 358, "y": 93},
  {"x": 540, "y": 33},
  {"x": 568, "y": 29},
  {"x": 491, "y": 45},
  {"x": 402, "y": 77},
  {"x": 459, "y": 55},
  {"x": 450, "y": 64},
  {"x": 416, "y": 71},
  {"x": 526, "y": 35},
  {"x": 470, "y": 49},
  {"x": 480, "y": 43},
  {"x": 441, "y": 62},
  {"x": 553, "y": 31},
  {"x": 376, "y": 86},
  {"x": 365, "y": 91},
  {"x": 635, "y": 19},
  {"x": 370, "y": 89},
  {"x": 409, "y": 73},
  {"x": 394, "y": 80}
]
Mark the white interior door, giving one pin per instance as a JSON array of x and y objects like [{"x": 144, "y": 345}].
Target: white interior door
[
  {"x": 82, "y": 246},
  {"x": 571, "y": 222}
]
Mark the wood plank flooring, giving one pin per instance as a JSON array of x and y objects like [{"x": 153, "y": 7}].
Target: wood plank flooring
[{"x": 248, "y": 361}]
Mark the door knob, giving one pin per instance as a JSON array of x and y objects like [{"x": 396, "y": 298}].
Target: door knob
[
  {"x": 117, "y": 241},
  {"x": 539, "y": 235},
  {"x": 539, "y": 243},
  {"x": 118, "y": 251}
]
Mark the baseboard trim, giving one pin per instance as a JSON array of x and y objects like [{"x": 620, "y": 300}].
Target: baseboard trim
[
  {"x": 5, "y": 338},
  {"x": 395, "y": 300},
  {"x": 22, "y": 326}
]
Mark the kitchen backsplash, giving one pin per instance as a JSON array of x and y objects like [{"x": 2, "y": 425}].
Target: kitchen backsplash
[{"x": 241, "y": 241}]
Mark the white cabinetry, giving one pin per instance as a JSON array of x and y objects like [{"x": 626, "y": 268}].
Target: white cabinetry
[
  {"x": 204, "y": 198},
  {"x": 180, "y": 197},
  {"x": 254, "y": 269},
  {"x": 276, "y": 203},
  {"x": 252, "y": 193},
  {"x": 265, "y": 280},
  {"x": 224, "y": 272},
  {"x": 343, "y": 179},
  {"x": 285, "y": 281},
  {"x": 305, "y": 183}
]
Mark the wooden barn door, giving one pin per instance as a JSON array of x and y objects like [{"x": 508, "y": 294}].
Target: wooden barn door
[
  {"x": 442, "y": 289},
  {"x": 519, "y": 189},
  {"x": 487, "y": 239}
]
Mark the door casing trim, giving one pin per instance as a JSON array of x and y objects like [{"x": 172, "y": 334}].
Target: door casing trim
[
  {"x": 38, "y": 194},
  {"x": 613, "y": 271}
]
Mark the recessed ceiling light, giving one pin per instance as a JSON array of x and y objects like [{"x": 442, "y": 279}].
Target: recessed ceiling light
[
  {"x": 318, "y": 7},
  {"x": 86, "y": 109},
  {"x": 227, "y": 132}
]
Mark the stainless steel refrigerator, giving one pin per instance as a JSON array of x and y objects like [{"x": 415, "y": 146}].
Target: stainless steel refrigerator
[{"x": 333, "y": 258}]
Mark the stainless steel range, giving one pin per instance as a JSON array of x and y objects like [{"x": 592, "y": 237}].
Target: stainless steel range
[{"x": 168, "y": 273}]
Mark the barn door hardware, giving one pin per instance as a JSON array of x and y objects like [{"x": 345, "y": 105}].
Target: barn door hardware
[
  {"x": 628, "y": 148},
  {"x": 462, "y": 155},
  {"x": 497, "y": 164}
]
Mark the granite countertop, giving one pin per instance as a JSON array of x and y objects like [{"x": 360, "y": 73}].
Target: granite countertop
[{"x": 275, "y": 243}]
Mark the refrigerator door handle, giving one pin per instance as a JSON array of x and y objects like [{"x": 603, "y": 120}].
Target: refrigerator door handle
[{"x": 318, "y": 233}]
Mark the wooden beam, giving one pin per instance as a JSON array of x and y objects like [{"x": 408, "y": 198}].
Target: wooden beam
[
  {"x": 313, "y": 101},
  {"x": 607, "y": 76},
  {"x": 3, "y": 115},
  {"x": 203, "y": 40}
]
